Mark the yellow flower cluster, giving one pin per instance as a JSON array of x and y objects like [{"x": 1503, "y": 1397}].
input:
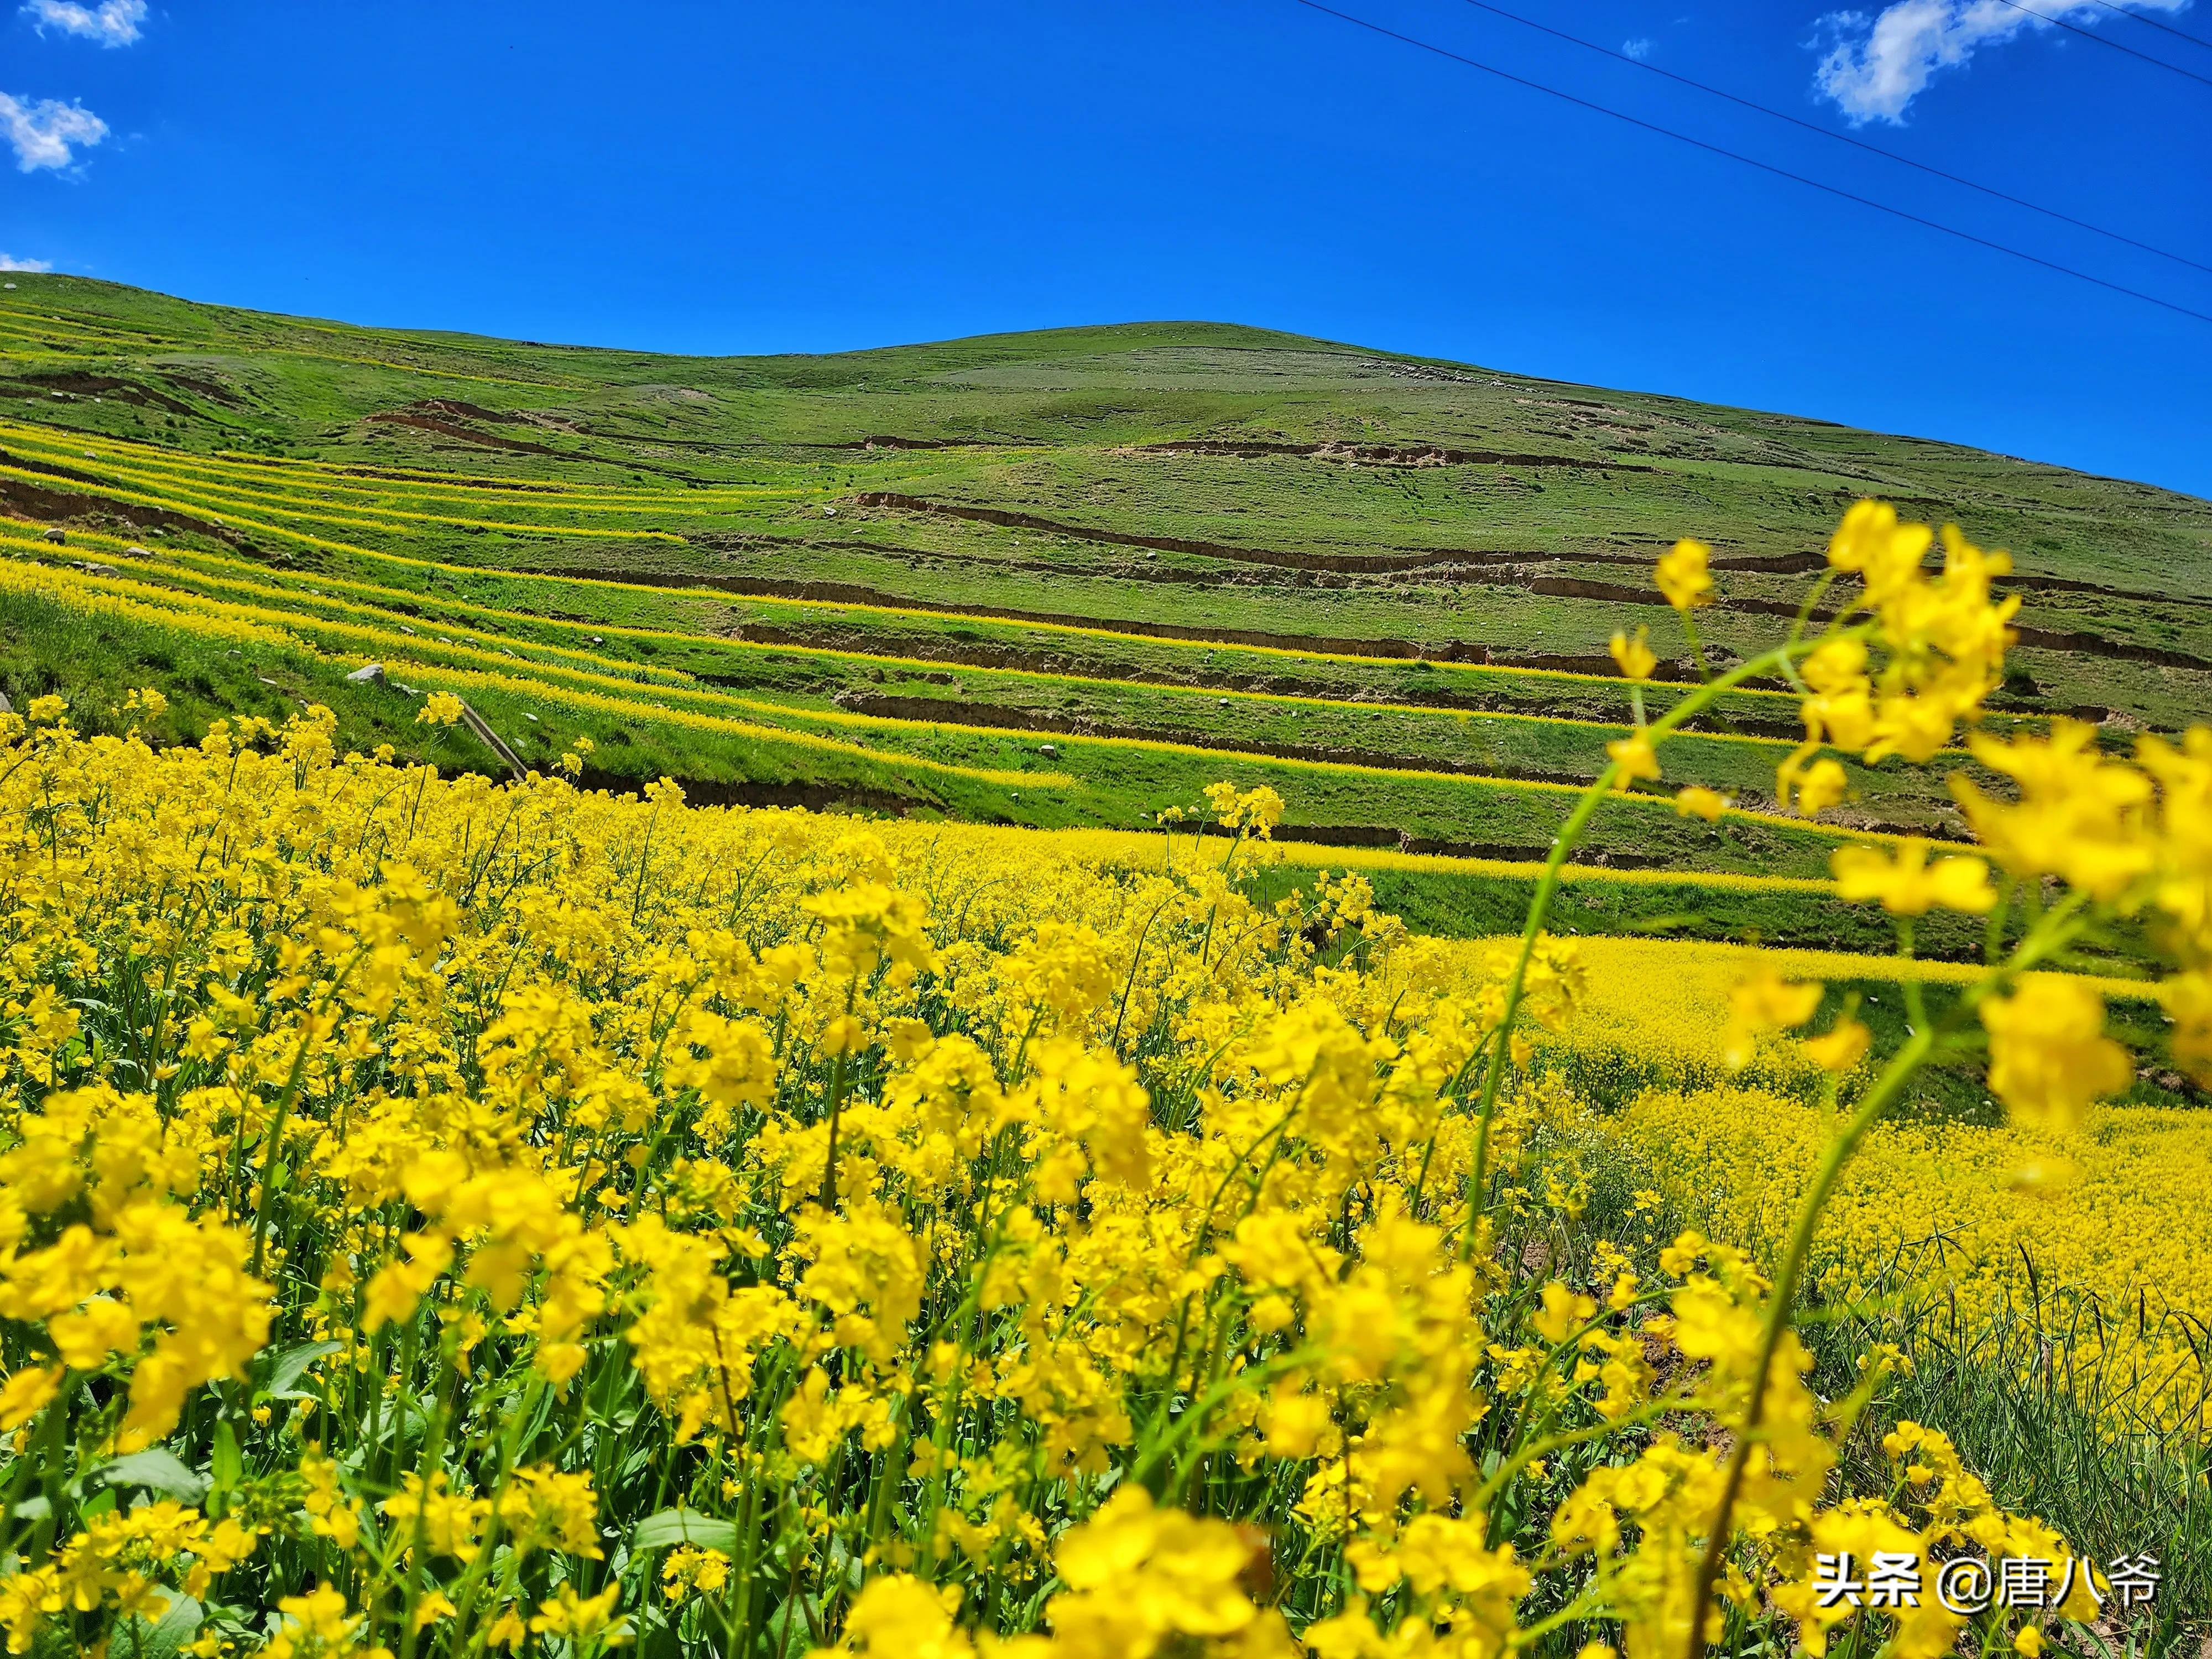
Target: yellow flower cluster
[{"x": 470, "y": 1189}]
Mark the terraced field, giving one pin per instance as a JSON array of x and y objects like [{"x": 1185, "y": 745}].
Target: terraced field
[{"x": 1062, "y": 580}]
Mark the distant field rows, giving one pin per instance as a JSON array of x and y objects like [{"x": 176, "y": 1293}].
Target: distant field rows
[
  {"x": 1176, "y": 724},
  {"x": 241, "y": 626},
  {"x": 562, "y": 682},
  {"x": 448, "y": 568}
]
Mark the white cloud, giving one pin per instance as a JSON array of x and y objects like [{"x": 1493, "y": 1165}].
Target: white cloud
[
  {"x": 9, "y": 262},
  {"x": 113, "y": 23},
  {"x": 1639, "y": 49},
  {"x": 43, "y": 132},
  {"x": 1874, "y": 68}
]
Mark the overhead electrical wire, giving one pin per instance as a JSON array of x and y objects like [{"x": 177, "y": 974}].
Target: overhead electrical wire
[
  {"x": 1840, "y": 138},
  {"x": 2105, "y": 40},
  {"x": 1749, "y": 160},
  {"x": 2140, "y": 17}
]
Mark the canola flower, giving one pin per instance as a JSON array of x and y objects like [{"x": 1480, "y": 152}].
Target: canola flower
[{"x": 449, "y": 1219}]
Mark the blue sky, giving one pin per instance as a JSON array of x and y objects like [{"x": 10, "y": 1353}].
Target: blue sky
[{"x": 743, "y": 178}]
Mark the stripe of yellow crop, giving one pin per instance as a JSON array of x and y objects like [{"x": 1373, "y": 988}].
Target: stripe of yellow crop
[
  {"x": 1386, "y": 858},
  {"x": 150, "y": 599},
  {"x": 18, "y": 314},
  {"x": 184, "y": 562},
  {"x": 1148, "y": 849},
  {"x": 308, "y": 626},
  {"x": 46, "y": 481},
  {"x": 249, "y": 468},
  {"x": 25, "y": 326},
  {"x": 20, "y": 533},
  {"x": 539, "y": 691},
  {"x": 383, "y": 625},
  {"x": 573, "y": 503},
  {"x": 216, "y": 498},
  {"x": 349, "y": 477},
  {"x": 1940, "y": 1205},
  {"x": 156, "y": 468},
  {"x": 93, "y": 596},
  {"x": 163, "y": 467}
]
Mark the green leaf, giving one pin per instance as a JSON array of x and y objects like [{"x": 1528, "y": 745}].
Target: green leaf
[
  {"x": 289, "y": 1366},
  {"x": 160, "y": 1472},
  {"x": 164, "y": 1637},
  {"x": 658, "y": 1532},
  {"x": 227, "y": 1465}
]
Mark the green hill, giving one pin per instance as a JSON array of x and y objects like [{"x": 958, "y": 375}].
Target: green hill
[{"x": 1163, "y": 552}]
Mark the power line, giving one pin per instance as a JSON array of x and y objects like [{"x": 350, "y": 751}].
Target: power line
[
  {"x": 2104, "y": 40},
  {"x": 1840, "y": 138},
  {"x": 1749, "y": 162},
  {"x": 2179, "y": 35}
]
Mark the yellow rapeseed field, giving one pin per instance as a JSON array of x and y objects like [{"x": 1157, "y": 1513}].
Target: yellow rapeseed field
[
  {"x": 1665, "y": 1003},
  {"x": 2010, "y": 1219},
  {"x": 443, "y": 1219}
]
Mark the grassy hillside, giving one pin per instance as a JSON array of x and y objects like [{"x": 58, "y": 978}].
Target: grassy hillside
[{"x": 1062, "y": 578}]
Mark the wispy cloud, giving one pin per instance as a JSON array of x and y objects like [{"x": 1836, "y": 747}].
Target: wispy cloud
[
  {"x": 9, "y": 262},
  {"x": 1639, "y": 48},
  {"x": 44, "y": 132},
  {"x": 1874, "y": 68},
  {"x": 112, "y": 23}
]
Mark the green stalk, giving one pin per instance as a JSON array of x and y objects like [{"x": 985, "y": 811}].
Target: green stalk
[
  {"x": 1547, "y": 887},
  {"x": 829, "y": 1200},
  {"x": 285, "y": 1106},
  {"x": 1900, "y": 1071}
]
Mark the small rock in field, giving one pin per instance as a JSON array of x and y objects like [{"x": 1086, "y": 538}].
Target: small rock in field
[
  {"x": 57, "y": 536},
  {"x": 1048, "y": 748},
  {"x": 372, "y": 675}
]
